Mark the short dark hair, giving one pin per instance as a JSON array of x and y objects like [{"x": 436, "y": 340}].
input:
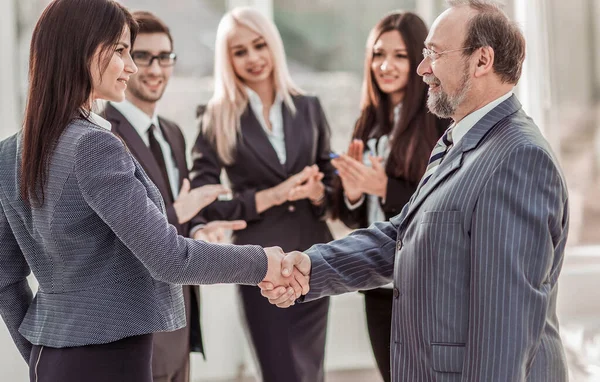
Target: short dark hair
[
  {"x": 149, "y": 23},
  {"x": 492, "y": 27}
]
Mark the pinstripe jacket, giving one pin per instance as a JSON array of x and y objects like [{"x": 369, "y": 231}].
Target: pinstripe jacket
[
  {"x": 475, "y": 258},
  {"x": 101, "y": 248}
]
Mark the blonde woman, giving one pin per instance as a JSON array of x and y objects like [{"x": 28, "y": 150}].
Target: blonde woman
[{"x": 273, "y": 143}]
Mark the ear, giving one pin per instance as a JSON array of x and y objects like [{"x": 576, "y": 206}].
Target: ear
[{"x": 485, "y": 61}]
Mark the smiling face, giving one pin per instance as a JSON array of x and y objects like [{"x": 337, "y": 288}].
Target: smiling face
[
  {"x": 250, "y": 56},
  {"x": 449, "y": 75},
  {"x": 390, "y": 65},
  {"x": 149, "y": 84},
  {"x": 111, "y": 83}
]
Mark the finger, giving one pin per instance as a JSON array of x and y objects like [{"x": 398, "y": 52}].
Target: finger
[
  {"x": 347, "y": 171},
  {"x": 274, "y": 293},
  {"x": 185, "y": 187},
  {"x": 289, "y": 294},
  {"x": 233, "y": 225},
  {"x": 360, "y": 148},
  {"x": 287, "y": 304},
  {"x": 303, "y": 282},
  {"x": 266, "y": 286}
]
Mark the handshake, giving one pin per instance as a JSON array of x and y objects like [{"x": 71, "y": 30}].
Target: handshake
[{"x": 287, "y": 277}]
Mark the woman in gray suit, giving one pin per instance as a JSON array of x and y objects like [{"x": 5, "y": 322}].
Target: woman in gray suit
[{"x": 79, "y": 211}]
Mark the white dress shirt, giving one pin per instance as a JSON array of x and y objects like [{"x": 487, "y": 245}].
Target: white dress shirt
[
  {"x": 141, "y": 123},
  {"x": 461, "y": 128},
  {"x": 98, "y": 120},
  {"x": 276, "y": 134}
]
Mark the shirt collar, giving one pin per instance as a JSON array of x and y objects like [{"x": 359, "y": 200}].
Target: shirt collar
[
  {"x": 256, "y": 103},
  {"x": 461, "y": 128},
  {"x": 136, "y": 117},
  {"x": 98, "y": 120}
]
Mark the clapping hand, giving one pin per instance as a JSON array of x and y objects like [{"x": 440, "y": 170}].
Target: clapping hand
[{"x": 357, "y": 178}]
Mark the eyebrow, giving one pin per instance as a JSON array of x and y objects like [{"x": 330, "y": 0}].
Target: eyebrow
[
  {"x": 259, "y": 38},
  {"x": 125, "y": 45}
]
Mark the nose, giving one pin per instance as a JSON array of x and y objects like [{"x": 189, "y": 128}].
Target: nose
[
  {"x": 384, "y": 65},
  {"x": 424, "y": 67},
  {"x": 130, "y": 66},
  {"x": 154, "y": 67},
  {"x": 253, "y": 54}
]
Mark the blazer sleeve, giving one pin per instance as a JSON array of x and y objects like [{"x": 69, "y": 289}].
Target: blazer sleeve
[
  {"x": 322, "y": 158},
  {"x": 206, "y": 169},
  {"x": 518, "y": 232},
  {"x": 15, "y": 294},
  {"x": 362, "y": 260},
  {"x": 113, "y": 191}
]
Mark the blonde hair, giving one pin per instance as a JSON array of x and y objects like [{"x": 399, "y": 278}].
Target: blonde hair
[{"x": 221, "y": 121}]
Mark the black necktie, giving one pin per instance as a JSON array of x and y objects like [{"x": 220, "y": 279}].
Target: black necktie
[{"x": 160, "y": 159}]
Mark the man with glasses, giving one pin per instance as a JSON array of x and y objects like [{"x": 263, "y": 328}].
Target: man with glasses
[
  {"x": 159, "y": 146},
  {"x": 476, "y": 253}
]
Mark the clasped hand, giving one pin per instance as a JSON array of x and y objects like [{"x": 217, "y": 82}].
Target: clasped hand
[{"x": 287, "y": 277}]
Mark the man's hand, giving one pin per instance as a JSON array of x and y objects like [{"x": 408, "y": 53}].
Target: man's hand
[
  {"x": 296, "y": 263},
  {"x": 190, "y": 202},
  {"x": 216, "y": 231}
]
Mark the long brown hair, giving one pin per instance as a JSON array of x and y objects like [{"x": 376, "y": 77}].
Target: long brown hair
[
  {"x": 417, "y": 130},
  {"x": 63, "y": 45}
]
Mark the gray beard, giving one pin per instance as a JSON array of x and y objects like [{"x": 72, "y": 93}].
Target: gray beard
[{"x": 444, "y": 105}]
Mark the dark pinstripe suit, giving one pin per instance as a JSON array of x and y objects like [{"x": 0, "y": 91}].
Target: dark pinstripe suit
[{"x": 475, "y": 259}]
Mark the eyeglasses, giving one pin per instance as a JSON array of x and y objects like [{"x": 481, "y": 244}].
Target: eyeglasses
[
  {"x": 432, "y": 55},
  {"x": 146, "y": 59}
]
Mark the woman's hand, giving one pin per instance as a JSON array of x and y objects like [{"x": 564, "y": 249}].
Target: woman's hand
[
  {"x": 358, "y": 178},
  {"x": 313, "y": 189},
  {"x": 279, "y": 194}
]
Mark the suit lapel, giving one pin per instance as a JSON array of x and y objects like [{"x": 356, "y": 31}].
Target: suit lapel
[
  {"x": 454, "y": 160},
  {"x": 257, "y": 141},
  {"x": 294, "y": 129},
  {"x": 138, "y": 148}
]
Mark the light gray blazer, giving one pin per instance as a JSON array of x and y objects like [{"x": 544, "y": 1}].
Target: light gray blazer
[
  {"x": 101, "y": 248},
  {"x": 475, "y": 259}
]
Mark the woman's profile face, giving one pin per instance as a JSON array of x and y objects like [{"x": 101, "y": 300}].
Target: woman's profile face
[
  {"x": 390, "y": 65},
  {"x": 111, "y": 84},
  {"x": 250, "y": 56}
]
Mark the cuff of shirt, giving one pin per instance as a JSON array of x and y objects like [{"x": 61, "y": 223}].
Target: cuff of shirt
[
  {"x": 354, "y": 206},
  {"x": 196, "y": 228}
]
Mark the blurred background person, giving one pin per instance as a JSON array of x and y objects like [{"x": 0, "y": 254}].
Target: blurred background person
[
  {"x": 273, "y": 143},
  {"x": 387, "y": 156},
  {"x": 159, "y": 146}
]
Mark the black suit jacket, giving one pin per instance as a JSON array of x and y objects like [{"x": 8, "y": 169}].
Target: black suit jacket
[
  {"x": 292, "y": 225},
  {"x": 172, "y": 133}
]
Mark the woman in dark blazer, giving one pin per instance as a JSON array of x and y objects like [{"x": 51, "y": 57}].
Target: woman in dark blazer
[
  {"x": 273, "y": 143},
  {"x": 392, "y": 140},
  {"x": 78, "y": 210}
]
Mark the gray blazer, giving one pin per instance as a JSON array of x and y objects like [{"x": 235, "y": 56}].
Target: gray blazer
[
  {"x": 101, "y": 248},
  {"x": 474, "y": 257}
]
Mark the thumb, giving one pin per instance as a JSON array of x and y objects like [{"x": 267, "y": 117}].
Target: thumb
[
  {"x": 185, "y": 187},
  {"x": 298, "y": 260},
  {"x": 235, "y": 225},
  {"x": 376, "y": 162}
]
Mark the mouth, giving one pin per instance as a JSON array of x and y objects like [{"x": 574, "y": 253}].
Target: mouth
[
  {"x": 387, "y": 79},
  {"x": 153, "y": 84},
  {"x": 123, "y": 81},
  {"x": 256, "y": 70}
]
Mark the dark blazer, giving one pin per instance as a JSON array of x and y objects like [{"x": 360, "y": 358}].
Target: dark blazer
[
  {"x": 292, "y": 225},
  {"x": 107, "y": 261},
  {"x": 475, "y": 258},
  {"x": 173, "y": 135},
  {"x": 399, "y": 191}
]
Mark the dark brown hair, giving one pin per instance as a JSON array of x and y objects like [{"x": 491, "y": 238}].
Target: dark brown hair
[
  {"x": 149, "y": 23},
  {"x": 492, "y": 27},
  {"x": 63, "y": 45},
  {"x": 417, "y": 130}
]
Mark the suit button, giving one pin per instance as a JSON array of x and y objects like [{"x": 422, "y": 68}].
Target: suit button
[
  {"x": 398, "y": 245},
  {"x": 396, "y": 293},
  {"x": 291, "y": 208}
]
